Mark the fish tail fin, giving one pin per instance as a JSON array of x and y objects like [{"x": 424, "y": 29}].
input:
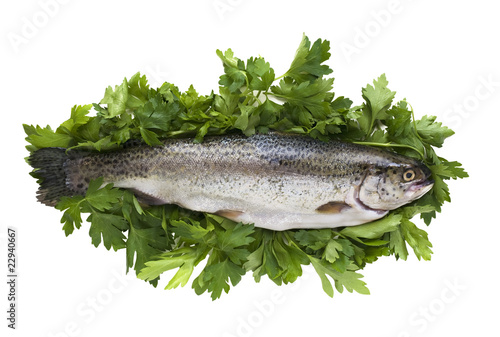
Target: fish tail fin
[{"x": 49, "y": 166}]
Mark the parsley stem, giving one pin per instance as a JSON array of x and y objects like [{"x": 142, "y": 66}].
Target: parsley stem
[
  {"x": 416, "y": 130},
  {"x": 392, "y": 145},
  {"x": 256, "y": 98},
  {"x": 290, "y": 240},
  {"x": 279, "y": 78},
  {"x": 247, "y": 99}
]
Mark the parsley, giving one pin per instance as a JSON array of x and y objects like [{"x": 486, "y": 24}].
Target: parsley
[{"x": 250, "y": 99}]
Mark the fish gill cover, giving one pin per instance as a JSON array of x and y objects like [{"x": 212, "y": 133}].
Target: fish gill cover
[{"x": 250, "y": 99}]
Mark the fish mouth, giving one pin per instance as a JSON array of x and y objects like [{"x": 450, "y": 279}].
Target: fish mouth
[
  {"x": 425, "y": 185},
  {"x": 422, "y": 186},
  {"x": 425, "y": 182}
]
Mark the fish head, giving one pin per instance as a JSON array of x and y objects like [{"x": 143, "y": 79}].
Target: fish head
[{"x": 391, "y": 186}]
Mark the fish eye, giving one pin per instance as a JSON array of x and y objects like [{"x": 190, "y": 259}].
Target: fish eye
[{"x": 409, "y": 175}]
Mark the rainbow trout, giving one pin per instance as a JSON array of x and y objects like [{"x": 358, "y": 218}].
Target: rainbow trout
[{"x": 274, "y": 181}]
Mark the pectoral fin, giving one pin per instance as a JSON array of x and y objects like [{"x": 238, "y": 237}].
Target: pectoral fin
[{"x": 333, "y": 207}]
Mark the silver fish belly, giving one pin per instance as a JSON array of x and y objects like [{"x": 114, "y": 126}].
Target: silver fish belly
[{"x": 274, "y": 181}]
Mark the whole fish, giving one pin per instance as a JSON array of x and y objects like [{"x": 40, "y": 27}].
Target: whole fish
[{"x": 275, "y": 181}]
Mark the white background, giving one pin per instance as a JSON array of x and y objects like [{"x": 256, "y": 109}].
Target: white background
[{"x": 442, "y": 56}]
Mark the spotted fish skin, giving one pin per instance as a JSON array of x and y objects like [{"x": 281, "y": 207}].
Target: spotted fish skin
[{"x": 274, "y": 181}]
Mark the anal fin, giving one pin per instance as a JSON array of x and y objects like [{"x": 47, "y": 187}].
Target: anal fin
[{"x": 230, "y": 214}]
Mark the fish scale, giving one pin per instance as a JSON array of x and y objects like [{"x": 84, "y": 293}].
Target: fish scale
[{"x": 275, "y": 181}]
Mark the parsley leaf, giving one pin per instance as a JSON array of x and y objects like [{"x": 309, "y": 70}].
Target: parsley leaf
[
  {"x": 105, "y": 227},
  {"x": 347, "y": 279},
  {"x": 261, "y": 75},
  {"x": 234, "y": 77},
  {"x": 378, "y": 99},
  {"x": 215, "y": 278},
  {"x": 431, "y": 132},
  {"x": 307, "y": 64},
  {"x": 40, "y": 137},
  {"x": 72, "y": 213},
  {"x": 110, "y": 227},
  {"x": 115, "y": 99},
  {"x": 308, "y": 101}
]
